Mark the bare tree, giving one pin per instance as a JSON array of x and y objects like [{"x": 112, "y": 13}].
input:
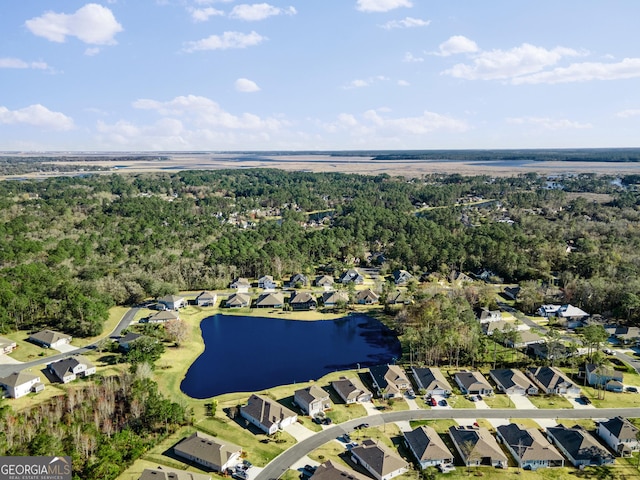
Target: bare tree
[{"x": 177, "y": 331}]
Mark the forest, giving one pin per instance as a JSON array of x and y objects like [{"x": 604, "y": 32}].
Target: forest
[{"x": 72, "y": 247}]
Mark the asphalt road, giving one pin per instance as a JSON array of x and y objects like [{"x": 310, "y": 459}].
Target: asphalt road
[
  {"x": 125, "y": 321},
  {"x": 285, "y": 460}
]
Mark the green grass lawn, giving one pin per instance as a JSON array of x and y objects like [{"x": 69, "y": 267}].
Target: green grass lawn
[
  {"x": 459, "y": 401},
  {"x": 499, "y": 401},
  {"x": 440, "y": 426},
  {"x": 550, "y": 401}
]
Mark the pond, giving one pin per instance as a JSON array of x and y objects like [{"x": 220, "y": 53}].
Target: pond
[{"x": 249, "y": 354}]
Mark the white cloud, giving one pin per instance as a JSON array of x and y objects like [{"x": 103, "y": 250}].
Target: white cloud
[
  {"x": 92, "y": 51},
  {"x": 408, "y": 22},
  {"x": 457, "y": 44},
  {"x": 549, "y": 123},
  {"x": 246, "y": 86},
  {"x": 410, "y": 58},
  {"x": 381, "y": 5},
  {"x": 226, "y": 41},
  {"x": 258, "y": 11},
  {"x": 203, "y": 14},
  {"x": 403, "y": 83},
  {"x": 585, "y": 71},
  {"x": 361, "y": 83},
  {"x": 92, "y": 24},
  {"x": 36, "y": 115},
  {"x": 8, "y": 62},
  {"x": 504, "y": 64},
  {"x": 632, "y": 112}
]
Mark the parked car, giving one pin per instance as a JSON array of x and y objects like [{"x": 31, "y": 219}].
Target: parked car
[
  {"x": 433, "y": 402},
  {"x": 327, "y": 421},
  {"x": 362, "y": 425},
  {"x": 585, "y": 400},
  {"x": 631, "y": 389},
  {"x": 443, "y": 403}
]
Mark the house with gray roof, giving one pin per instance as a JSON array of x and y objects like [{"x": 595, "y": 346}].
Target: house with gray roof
[
  {"x": 270, "y": 300},
  {"x": 166, "y": 473},
  {"x": 367, "y": 297},
  {"x": 602, "y": 376},
  {"x": 206, "y": 299},
  {"x": 210, "y": 452},
  {"x": 351, "y": 276},
  {"x": 427, "y": 447},
  {"x": 331, "y": 471},
  {"x": 513, "y": 382},
  {"x": 241, "y": 284},
  {"x": 312, "y": 400},
  {"x": 476, "y": 446},
  {"x": 70, "y": 368},
  {"x": 487, "y": 315},
  {"x": 624, "y": 334},
  {"x": 298, "y": 279},
  {"x": 529, "y": 447},
  {"x": 333, "y": 298},
  {"x": 351, "y": 390},
  {"x": 124, "y": 342},
  {"x": 526, "y": 338},
  {"x": 399, "y": 297},
  {"x": 303, "y": 301},
  {"x": 267, "y": 414},
  {"x": 18, "y": 384},
  {"x": 238, "y": 300},
  {"x": 378, "y": 460},
  {"x": 550, "y": 380},
  {"x": 7, "y": 346},
  {"x": 325, "y": 281},
  {"x": 50, "y": 339},
  {"x": 621, "y": 435},
  {"x": 579, "y": 446},
  {"x": 401, "y": 277},
  {"x": 172, "y": 302},
  {"x": 389, "y": 380},
  {"x": 267, "y": 282},
  {"x": 473, "y": 383},
  {"x": 163, "y": 316},
  {"x": 431, "y": 380}
]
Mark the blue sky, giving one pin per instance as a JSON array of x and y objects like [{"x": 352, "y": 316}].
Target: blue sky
[{"x": 319, "y": 74}]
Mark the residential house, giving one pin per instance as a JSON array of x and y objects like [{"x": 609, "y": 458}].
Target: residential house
[
  {"x": 303, "y": 301},
  {"x": 351, "y": 390},
  {"x": 625, "y": 335},
  {"x": 477, "y": 446},
  {"x": 7, "y": 346},
  {"x": 172, "y": 302},
  {"x": 389, "y": 380},
  {"x": 267, "y": 282},
  {"x": 238, "y": 300},
  {"x": 50, "y": 339},
  {"x": 312, "y": 400},
  {"x": 579, "y": 446},
  {"x": 166, "y": 473},
  {"x": 487, "y": 315},
  {"x": 270, "y": 300},
  {"x": 399, "y": 297},
  {"x": 298, "y": 279},
  {"x": 427, "y": 447},
  {"x": 331, "y": 471},
  {"x": 473, "y": 383},
  {"x": 529, "y": 447},
  {"x": 621, "y": 435},
  {"x": 207, "y": 299},
  {"x": 209, "y": 452},
  {"x": 526, "y": 338},
  {"x": 124, "y": 342},
  {"x": 550, "y": 380},
  {"x": 324, "y": 281},
  {"x": 333, "y": 298},
  {"x": 460, "y": 277},
  {"x": 351, "y": 276},
  {"x": 378, "y": 460},
  {"x": 431, "y": 380},
  {"x": 163, "y": 316},
  {"x": 241, "y": 284},
  {"x": 566, "y": 315},
  {"x": 266, "y": 414},
  {"x": 401, "y": 277},
  {"x": 366, "y": 297},
  {"x": 513, "y": 382},
  {"x": 602, "y": 376},
  {"x": 70, "y": 368},
  {"x": 542, "y": 351},
  {"x": 18, "y": 384},
  {"x": 512, "y": 292}
]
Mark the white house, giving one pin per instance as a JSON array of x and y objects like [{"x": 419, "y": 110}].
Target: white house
[
  {"x": 68, "y": 369},
  {"x": 621, "y": 435},
  {"x": 172, "y": 302},
  {"x": 210, "y": 452},
  {"x": 378, "y": 460},
  {"x": 6, "y": 346},
  {"x": 312, "y": 400},
  {"x": 351, "y": 390},
  {"x": 206, "y": 299},
  {"x": 266, "y": 414},
  {"x": 50, "y": 339},
  {"x": 18, "y": 384}
]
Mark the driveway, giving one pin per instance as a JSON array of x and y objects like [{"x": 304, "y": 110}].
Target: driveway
[
  {"x": 7, "y": 360},
  {"x": 66, "y": 348},
  {"x": 299, "y": 431},
  {"x": 521, "y": 402}
]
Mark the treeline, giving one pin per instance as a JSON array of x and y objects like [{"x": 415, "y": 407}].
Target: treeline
[
  {"x": 103, "y": 426},
  {"x": 72, "y": 247}
]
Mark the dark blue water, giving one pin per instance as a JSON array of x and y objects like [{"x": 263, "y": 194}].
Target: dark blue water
[{"x": 247, "y": 354}]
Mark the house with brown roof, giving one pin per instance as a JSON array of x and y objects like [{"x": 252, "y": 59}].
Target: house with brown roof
[
  {"x": 367, "y": 297},
  {"x": 389, "y": 380},
  {"x": 351, "y": 390},
  {"x": 270, "y": 300},
  {"x": 18, "y": 384},
  {"x": 529, "y": 447},
  {"x": 427, "y": 447},
  {"x": 331, "y": 471},
  {"x": 473, "y": 383},
  {"x": 238, "y": 300},
  {"x": 526, "y": 338},
  {"x": 325, "y": 281},
  {"x": 266, "y": 414},
  {"x": 7, "y": 346},
  {"x": 206, "y": 299},
  {"x": 431, "y": 380},
  {"x": 166, "y": 473},
  {"x": 378, "y": 460},
  {"x": 163, "y": 316},
  {"x": 241, "y": 284},
  {"x": 50, "y": 339},
  {"x": 621, "y": 435},
  {"x": 209, "y": 452},
  {"x": 477, "y": 446},
  {"x": 602, "y": 376},
  {"x": 513, "y": 382},
  {"x": 303, "y": 301},
  {"x": 333, "y": 298},
  {"x": 550, "y": 380},
  {"x": 70, "y": 368},
  {"x": 312, "y": 400},
  {"x": 579, "y": 446}
]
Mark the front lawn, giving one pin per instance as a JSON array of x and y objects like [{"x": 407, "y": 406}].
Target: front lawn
[
  {"x": 499, "y": 401},
  {"x": 550, "y": 401}
]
